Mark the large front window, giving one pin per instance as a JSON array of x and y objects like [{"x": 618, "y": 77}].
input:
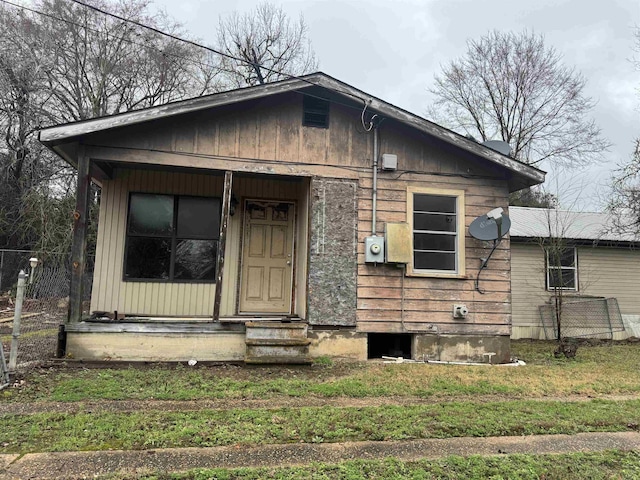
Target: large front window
[
  {"x": 562, "y": 268},
  {"x": 437, "y": 231},
  {"x": 172, "y": 238}
]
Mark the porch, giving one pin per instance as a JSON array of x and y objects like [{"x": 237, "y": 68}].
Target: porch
[{"x": 185, "y": 258}]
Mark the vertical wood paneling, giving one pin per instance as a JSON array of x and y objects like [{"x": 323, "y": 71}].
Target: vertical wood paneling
[
  {"x": 206, "y": 138},
  {"x": 227, "y": 137},
  {"x": 268, "y": 135},
  {"x": 247, "y": 146},
  {"x": 144, "y": 298},
  {"x": 339, "y": 137}
]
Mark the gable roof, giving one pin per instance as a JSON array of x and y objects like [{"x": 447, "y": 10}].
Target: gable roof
[
  {"x": 529, "y": 222},
  {"x": 523, "y": 175}
]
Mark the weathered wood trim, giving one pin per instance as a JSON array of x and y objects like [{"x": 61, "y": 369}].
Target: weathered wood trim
[
  {"x": 61, "y": 132},
  {"x": 460, "y": 240},
  {"x": 427, "y": 328},
  {"x": 421, "y": 124},
  {"x": 79, "y": 243},
  {"x": 218, "y": 162},
  {"x": 101, "y": 172},
  {"x": 160, "y": 327},
  {"x": 222, "y": 243},
  {"x": 525, "y": 175}
]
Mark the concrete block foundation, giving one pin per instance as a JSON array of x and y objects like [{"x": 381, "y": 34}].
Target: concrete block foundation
[{"x": 462, "y": 348}]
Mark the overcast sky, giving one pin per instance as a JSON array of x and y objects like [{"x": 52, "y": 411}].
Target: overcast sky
[{"x": 393, "y": 49}]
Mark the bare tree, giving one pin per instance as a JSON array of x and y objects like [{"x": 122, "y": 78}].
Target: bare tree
[
  {"x": 533, "y": 197},
  {"x": 624, "y": 201},
  {"x": 100, "y": 65},
  {"x": 69, "y": 63},
  {"x": 559, "y": 260},
  {"x": 270, "y": 45},
  {"x": 25, "y": 166},
  {"x": 511, "y": 87}
]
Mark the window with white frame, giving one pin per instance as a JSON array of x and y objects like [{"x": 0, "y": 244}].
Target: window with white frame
[
  {"x": 562, "y": 268},
  {"x": 437, "y": 218}
]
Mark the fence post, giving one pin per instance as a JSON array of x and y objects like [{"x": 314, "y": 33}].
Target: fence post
[
  {"x": 13, "y": 355},
  {"x": 1, "y": 267},
  {"x": 4, "y": 371}
]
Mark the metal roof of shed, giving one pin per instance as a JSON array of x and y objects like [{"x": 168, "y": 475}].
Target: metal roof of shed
[{"x": 529, "y": 222}]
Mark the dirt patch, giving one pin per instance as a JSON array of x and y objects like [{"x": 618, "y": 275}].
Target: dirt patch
[{"x": 124, "y": 406}]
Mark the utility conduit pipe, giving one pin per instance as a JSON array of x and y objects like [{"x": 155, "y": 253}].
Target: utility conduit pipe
[{"x": 374, "y": 197}]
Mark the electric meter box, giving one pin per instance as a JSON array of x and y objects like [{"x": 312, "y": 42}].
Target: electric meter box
[
  {"x": 398, "y": 242},
  {"x": 389, "y": 162},
  {"x": 374, "y": 249}
]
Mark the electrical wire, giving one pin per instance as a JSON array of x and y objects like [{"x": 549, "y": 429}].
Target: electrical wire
[
  {"x": 180, "y": 57},
  {"x": 371, "y": 121},
  {"x": 210, "y": 49},
  {"x": 180, "y": 39},
  {"x": 193, "y": 61},
  {"x": 115, "y": 37}
]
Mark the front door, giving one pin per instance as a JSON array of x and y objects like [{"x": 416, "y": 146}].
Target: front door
[{"x": 267, "y": 257}]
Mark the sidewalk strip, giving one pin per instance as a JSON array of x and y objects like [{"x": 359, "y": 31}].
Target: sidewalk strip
[{"x": 69, "y": 465}]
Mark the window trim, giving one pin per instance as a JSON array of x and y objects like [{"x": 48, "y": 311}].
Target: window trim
[
  {"x": 548, "y": 269},
  {"x": 173, "y": 238},
  {"x": 460, "y": 271}
]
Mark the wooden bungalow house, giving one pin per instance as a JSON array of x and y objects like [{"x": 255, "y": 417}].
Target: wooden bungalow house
[{"x": 251, "y": 225}]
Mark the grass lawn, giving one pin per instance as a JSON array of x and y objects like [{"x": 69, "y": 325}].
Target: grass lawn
[
  {"x": 579, "y": 466},
  {"x": 596, "y": 370},
  {"x": 513, "y": 404},
  {"x": 208, "y": 428}
]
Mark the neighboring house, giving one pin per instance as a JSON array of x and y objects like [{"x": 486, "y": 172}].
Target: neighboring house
[
  {"x": 233, "y": 226},
  {"x": 594, "y": 261}
]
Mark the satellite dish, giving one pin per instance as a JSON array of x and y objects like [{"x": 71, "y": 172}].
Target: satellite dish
[
  {"x": 499, "y": 146},
  {"x": 486, "y": 229}
]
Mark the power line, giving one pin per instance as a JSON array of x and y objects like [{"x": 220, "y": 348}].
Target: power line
[
  {"x": 190, "y": 42},
  {"x": 96, "y": 30},
  {"x": 210, "y": 49}
]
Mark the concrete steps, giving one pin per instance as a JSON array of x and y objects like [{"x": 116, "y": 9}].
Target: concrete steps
[{"x": 277, "y": 342}]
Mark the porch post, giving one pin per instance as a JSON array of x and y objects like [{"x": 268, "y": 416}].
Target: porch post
[
  {"x": 224, "y": 222},
  {"x": 79, "y": 245}
]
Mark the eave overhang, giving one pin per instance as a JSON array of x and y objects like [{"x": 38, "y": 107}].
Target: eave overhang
[{"x": 520, "y": 175}]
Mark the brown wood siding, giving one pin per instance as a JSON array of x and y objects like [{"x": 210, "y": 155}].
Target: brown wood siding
[
  {"x": 267, "y": 137},
  {"x": 429, "y": 301}
]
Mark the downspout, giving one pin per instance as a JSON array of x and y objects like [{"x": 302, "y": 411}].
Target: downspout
[{"x": 374, "y": 196}]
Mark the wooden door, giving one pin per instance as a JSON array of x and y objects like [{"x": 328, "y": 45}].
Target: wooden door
[{"x": 267, "y": 258}]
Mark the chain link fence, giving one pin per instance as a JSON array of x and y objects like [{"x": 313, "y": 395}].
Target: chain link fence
[
  {"x": 581, "y": 318},
  {"x": 45, "y": 304}
]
